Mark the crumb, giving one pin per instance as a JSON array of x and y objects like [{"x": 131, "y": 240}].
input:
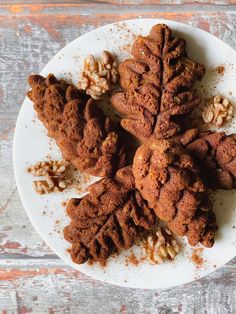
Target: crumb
[
  {"x": 90, "y": 262},
  {"x": 44, "y": 212},
  {"x": 126, "y": 48},
  {"x": 79, "y": 189},
  {"x": 196, "y": 257},
  {"x": 142, "y": 259},
  {"x": 103, "y": 264},
  {"x": 132, "y": 259},
  {"x": 219, "y": 70}
]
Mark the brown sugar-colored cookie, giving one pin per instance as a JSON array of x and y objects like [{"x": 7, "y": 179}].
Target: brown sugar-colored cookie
[
  {"x": 215, "y": 154},
  {"x": 157, "y": 85},
  {"x": 168, "y": 179},
  {"x": 108, "y": 219},
  {"x": 85, "y": 136}
]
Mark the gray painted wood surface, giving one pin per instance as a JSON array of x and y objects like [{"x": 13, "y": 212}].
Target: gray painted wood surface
[{"x": 32, "y": 278}]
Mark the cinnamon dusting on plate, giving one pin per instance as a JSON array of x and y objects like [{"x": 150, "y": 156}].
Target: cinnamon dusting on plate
[
  {"x": 220, "y": 70},
  {"x": 197, "y": 258},
  {"x": 132, "y": 260}
]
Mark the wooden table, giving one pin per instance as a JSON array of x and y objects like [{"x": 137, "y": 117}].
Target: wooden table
[{"x": 32, "y": 278}]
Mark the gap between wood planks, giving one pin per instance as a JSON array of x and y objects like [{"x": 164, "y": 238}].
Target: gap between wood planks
[{"x": 91, "y": 7}]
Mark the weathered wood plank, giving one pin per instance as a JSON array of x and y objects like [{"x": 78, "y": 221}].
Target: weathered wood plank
[
  {"x": 110, "y": 6},
  {"x": 17, "y": 236},
  {"x": 120, "y": 2},
  {"x": 51, "y": 287}
]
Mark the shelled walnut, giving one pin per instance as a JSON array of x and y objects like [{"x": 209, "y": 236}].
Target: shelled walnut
[
  {"x": 161, "y": 246},
  {"x": 99, "y": 75},
  {"x": 54, "y": 176},
  {"x": 218, "y": 110}
]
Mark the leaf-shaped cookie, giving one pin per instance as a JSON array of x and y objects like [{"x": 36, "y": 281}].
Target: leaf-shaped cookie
[
  {"x": 168, "y": 179},
  {"x": 108, "y": 219},
  {"x": 85, "y": 136},
  {"x": 157, "y": 85},
  {"x": 215, "y": 154}
]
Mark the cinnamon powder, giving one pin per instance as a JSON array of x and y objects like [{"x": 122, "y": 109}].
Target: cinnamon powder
[{"x": 197, "y": 258}]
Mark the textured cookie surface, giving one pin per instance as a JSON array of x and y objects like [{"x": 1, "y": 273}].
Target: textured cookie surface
[
  {"x": 167, "y": 178},
  {"x": 157, "y": 85},
  {"x": 215, "y": 154},
  {"x": 108, "y": 219},
  {"x": 85, "y": 136}
]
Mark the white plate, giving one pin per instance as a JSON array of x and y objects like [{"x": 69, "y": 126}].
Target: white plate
[{"x": 31, "y": 145}]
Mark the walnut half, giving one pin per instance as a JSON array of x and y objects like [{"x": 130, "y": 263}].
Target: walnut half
[
  {"x": 99, "y": 75},
  {"x": 53, "y": 173},
  {"x": 161, "y": 246},
  {"x": 218, "y": 111}
]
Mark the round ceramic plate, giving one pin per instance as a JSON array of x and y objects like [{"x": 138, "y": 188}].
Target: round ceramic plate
[{"x": 46, "y": 212}]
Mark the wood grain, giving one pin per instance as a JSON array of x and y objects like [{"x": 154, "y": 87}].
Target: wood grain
[
  {"x": 94, "y": 7},
  {"x": 123, "y": 2},
  {"x": 51, "y": 287},
  {"x": 32, "y": 279}
]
